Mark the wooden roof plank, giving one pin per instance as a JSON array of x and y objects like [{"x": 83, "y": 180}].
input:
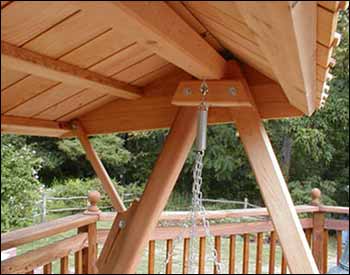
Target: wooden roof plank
[
  {"x": 326, "y": 26},
  {"x": 158, "y": 27},
  {"x": 27, "y": 61},
  {"x": 287, "y": 36}
]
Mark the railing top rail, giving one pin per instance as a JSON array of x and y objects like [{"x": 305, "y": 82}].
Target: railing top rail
[
  {"x": 36, "y": 232},
  {"x": 217, "y": 214},
  {"x": 334, "y": 209}
]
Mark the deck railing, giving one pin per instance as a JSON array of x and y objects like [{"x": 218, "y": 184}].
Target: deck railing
[{"x": 82, "y": 248}]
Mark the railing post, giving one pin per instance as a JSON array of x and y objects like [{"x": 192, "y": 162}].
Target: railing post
[
  {"x": 318, "y": 231},
  {"x": 90, "y": 252}
]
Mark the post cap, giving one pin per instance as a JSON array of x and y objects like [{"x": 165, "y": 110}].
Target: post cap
[
  {"x": 93, "y": 197},
  {"x": 316, "y": 195}
]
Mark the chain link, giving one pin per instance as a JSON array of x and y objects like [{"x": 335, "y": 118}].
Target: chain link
[{"x": 198, "y": 208}]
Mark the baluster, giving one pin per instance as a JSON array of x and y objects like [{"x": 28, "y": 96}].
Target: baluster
[
  {"x": 78, "y": 262},
  {"x": 47, "y": 268},
  {"x": 308, "y": 234},
  {"x": 151, "y": 254},
  {"x": 232, "y": 259},
  {"x": 169, "y": 249},
  {"x": 325, "y": 251},
  {"x": 201, "y": 260},
  {"x": 272, "y": 257},
  {"x": 218, "y": 251},
  {"x": 284, "y": 264},
  {"x": 185, "y": 256},
  {"x": 64, "y": 268},
  {"x": 245, "y": 268},
  {"x": 259, "y": 252},
  {"x": 339, "y": 246}
]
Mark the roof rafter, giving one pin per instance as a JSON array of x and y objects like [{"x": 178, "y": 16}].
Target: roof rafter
[
  {"x": 287, "y": 35},
  {"x": 158, "y": 27},
  {"x": 24, "y": 60},
  {"x": 31, "y": 126}
]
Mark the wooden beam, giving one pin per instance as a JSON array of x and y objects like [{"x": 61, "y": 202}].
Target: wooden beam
[
  {"x": 221, "y": 93},
  {"x": 24, "y": 60},
  {"x": 98, "y": 167},
  {"x": 30, "y": 126},
  {"x": 128, "y": 245},
  {"x": 286, "y": 33},
  {"x": 275, "y": 193},
  {"x": 158, "y": 27}
]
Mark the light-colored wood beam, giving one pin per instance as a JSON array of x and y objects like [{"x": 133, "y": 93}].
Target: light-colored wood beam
[
  {"x": 275, "y": 193},
  {"x": 128, "y": 245},
  {"x": 29, "y": 62},
  {"x": 98, "y": 167},
  {"x": 158, "y": 27},
  {"x": 30, "y": 126},
  {"x": 286, "y": 33}
]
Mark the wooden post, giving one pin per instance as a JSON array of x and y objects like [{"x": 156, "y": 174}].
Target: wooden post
[
  {"x": 318, "y": 230},
  {"x": 275, "y": 192},
  {"x": 89, "y": 254},
  {"x": 128, "y": 245},
  {"x": 98, "y": 167}
]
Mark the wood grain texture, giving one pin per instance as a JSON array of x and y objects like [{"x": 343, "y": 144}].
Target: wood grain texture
[
  {"x": 218, "y": 95},
  {"x": 282, "y": 30},
  {"x": 44, "y": 255},
  {"x": 13, "y": 57},
  {"x": 155, "y": 196},
  {"x": 37, "y": 232},
  {"x": 158, "y": 27},
  {"x": 275, "y": 193},
  {"x": 98, "y": 167}
]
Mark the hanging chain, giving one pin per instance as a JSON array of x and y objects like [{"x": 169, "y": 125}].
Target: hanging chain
[{"x": 198, "y": 209}]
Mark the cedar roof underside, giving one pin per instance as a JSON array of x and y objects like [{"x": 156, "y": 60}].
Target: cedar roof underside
[{"x": 91, "y": 61}]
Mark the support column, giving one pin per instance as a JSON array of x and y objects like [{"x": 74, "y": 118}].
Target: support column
[
  {"x": 275, "y": 193},
  {"x": 127, "y": 246},
  {"x": 98, "y": 167}
]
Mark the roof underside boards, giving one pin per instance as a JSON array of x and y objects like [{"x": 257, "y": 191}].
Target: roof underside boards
[{"x": 98, "y": 62}]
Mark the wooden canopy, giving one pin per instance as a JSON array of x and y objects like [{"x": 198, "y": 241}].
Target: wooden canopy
[
  {"x": 115, "y": 66},
  {"x": 86, "y": 68}
]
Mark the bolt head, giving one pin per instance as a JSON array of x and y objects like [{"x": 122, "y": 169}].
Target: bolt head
[
  {"x": 187, "y": 91},
  {"x": 232, "y": 91},
  {"x": 122, "y": 224}
]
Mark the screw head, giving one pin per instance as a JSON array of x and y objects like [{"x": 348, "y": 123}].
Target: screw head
[
  {"x": 187, "y": 91},
  {"x": 122, "y": 224},
  {"x": 232, "y": 91}
]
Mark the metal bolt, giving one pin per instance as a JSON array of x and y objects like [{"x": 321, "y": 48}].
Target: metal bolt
[
  {"x": 204, "y": 88},
  {"x": 122, "y": 224},
  {"x": 232, "y": 91},
  {"x": 187, "y": 91}
]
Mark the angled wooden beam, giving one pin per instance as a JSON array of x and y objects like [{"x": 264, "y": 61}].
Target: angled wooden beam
[
  {"x": 24, "y": 60},
  {"x": 129, "y": 243},
  {"x": 98, "y": 167},
  {"x": 160, "y": 28},
  {"x": 31, "y": 126},
  {"x": 275, "y": 193},
  {"x": 286, "y": 33}
]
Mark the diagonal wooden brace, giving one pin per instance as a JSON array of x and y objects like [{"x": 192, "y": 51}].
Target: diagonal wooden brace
[
  {"x": 98, "y": 167},
  {"x": 275, "y": 193},
  {"x": 125, "y": 246}
]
